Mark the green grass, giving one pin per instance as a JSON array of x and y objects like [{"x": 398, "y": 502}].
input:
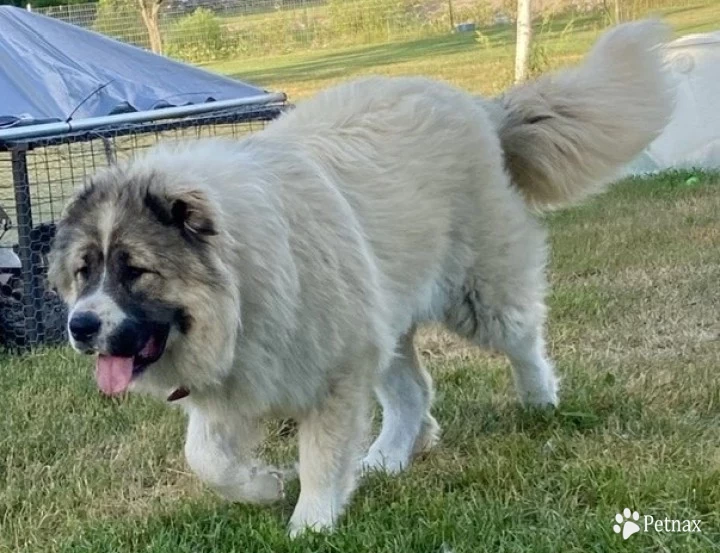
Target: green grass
[
  {"x": 635, "y": 333},
  {"x": 456, "y": 58},
  {"x": 633, "y": 327}
]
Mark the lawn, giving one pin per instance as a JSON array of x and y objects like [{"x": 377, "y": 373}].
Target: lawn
[
  {"x": 481, "y": 66},
  {"x": 633, "y": 327}
]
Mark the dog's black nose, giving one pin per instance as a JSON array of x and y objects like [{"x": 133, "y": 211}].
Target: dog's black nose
[{"x": 84, "y": 326}]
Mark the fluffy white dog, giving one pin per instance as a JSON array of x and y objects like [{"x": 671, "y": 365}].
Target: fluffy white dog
[{"x": 284, "y": 275}]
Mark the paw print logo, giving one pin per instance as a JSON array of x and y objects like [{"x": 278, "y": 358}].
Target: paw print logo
[{"x": 627, "y": 523}]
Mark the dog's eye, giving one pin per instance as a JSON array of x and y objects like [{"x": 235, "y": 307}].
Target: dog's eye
[{"x": 134, "y": 273}]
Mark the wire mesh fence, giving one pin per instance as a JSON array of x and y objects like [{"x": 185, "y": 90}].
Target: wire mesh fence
[
  {"x": 39, "y": 176},
  {"x": 206, "y": 30}
]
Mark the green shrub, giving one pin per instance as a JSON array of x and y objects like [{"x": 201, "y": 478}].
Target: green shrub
[
  {"x": 369, "y": 18},
  {"x": 198, "y": 37},
  {"x": 121, "y": 19}
]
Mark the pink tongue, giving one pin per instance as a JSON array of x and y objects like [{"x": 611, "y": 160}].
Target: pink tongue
[{"x": 113, "y": 374}]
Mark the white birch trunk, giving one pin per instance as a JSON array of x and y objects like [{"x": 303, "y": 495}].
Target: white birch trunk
[{"x": 524, "y": 37}]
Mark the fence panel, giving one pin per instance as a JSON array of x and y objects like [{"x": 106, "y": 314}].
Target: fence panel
[
  {"x": 38, "y": 177},
  {"x": 207, "y": 30}
]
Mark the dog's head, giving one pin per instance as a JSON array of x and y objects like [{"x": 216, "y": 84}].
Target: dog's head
[{"x": 137, "y": 259}]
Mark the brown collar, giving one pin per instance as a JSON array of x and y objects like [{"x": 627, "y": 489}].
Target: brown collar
[{"x": 179, "y": 393}]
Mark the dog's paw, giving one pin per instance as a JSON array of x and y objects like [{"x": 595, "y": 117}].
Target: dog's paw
[
  {"x": 289, "y": 472},
  {"x": 385, "y": 460},
  {"x": 304, "y": 520},
  {"x": 543, "y": 396},
  {"x": 429, "y": 436},
  {"x": 546, "y": 400},
  {"x": 265, "y": 487}
]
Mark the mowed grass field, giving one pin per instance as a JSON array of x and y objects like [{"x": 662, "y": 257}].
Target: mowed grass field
[
  {"x": 633, "y": 327},
  {"x": 482, "y": 66},
  {"x": 635, "y": 332}
]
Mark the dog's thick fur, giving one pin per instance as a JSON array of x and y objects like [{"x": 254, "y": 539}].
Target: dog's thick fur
[{"x": 292, "y": 267}]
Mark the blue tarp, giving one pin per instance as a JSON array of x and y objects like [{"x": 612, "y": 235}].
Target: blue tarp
[{"x": 52, "y": 71}]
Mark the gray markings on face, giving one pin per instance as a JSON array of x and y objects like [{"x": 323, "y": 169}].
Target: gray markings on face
[{"x": 101, "y": 303}]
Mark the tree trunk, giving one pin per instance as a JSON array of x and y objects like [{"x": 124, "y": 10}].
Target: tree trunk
[
  {"x": 617, "y": 11},
  {"x": 150, "y": 12},
  {"x": 524, "y": 38}
]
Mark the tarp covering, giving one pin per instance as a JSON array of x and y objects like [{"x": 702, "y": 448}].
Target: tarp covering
[
  {"x": 692, "y": 138},
  {"x": 53, "y": 71}
]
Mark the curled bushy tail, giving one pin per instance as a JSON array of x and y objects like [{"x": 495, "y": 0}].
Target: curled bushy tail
[{"x": 567, "y": 134}]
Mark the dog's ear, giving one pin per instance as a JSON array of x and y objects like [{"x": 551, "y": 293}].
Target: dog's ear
[
  {"x": 192, "y": 211},
  {"x": 66, "y": 232},
  {"x": 188, "y": 210}
]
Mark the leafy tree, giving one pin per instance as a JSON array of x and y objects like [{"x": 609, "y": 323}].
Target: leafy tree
[
  {"x": 121, "y": 19},
  {"x": 43, "y": 3},
  {"x": 150, "y": 12}
]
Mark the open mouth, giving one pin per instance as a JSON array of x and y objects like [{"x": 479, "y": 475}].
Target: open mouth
[
  {"x": 114, "y": 373},
  {"x": 152, "y": 350}
]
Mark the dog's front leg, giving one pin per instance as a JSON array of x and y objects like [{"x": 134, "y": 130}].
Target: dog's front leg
[
  {"x": 220, "y": 453},
  {"x": 331, "y": 438}
]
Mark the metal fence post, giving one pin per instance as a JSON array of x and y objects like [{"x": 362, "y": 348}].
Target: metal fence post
[
  {"x": 51, "y": 158},
  {"x": 30, "y": 262}
]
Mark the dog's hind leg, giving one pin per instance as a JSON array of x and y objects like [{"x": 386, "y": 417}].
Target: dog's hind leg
[
  {"x": 514, "y": 327},
  {"x": 331, "y": 438},
  {"x": 220, "y": 453},
  {"x": 535, "y": 379},
  {"x": 405, "y": 393}
]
